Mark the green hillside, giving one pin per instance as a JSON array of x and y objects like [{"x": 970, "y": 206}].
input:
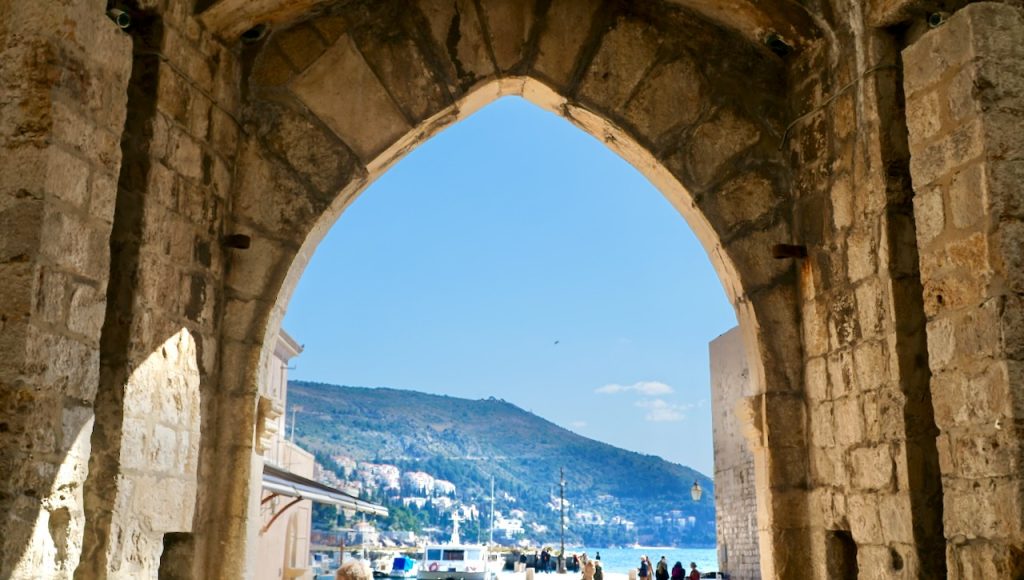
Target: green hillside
[{"x": 467, "y": 442}]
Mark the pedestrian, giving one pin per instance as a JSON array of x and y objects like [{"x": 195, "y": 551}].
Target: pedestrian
[
  {"x": 645, "y": 569},
  {"x": 354, "y": 570},
  {"x": 597, "y": 556},
  {"x": 661, "y": 573},
  {"x": 677, "y": 572},
  {"x": 598, "y": 570},
  {"x": 694, "y": 573},
  {"x": 588, "y": 570},
  {"x": 545, "y": 561}
]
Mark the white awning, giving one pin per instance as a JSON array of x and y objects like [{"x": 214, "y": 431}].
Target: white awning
[{"x": 286, "y": 483}]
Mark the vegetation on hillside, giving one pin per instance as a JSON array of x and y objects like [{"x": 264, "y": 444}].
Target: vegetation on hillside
[{"x": 468, "y": 442}]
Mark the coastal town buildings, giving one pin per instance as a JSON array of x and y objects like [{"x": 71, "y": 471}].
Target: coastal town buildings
[{"x": 282, "y": 549}]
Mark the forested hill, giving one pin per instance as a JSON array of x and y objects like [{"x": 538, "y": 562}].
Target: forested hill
[{"x": 467, "y": 442}]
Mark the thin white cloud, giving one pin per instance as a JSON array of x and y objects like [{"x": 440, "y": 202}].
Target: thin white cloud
[
  {"x": 578, "y": 424},
  {"x": 648, "y": 388},
  {"x": 661, "y": 411}
]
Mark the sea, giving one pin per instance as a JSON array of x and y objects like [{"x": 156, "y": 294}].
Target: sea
[{"x": 621, "y": 560}]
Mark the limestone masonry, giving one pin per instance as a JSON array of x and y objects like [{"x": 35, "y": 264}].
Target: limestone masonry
[{"x": 854, "y": 168}]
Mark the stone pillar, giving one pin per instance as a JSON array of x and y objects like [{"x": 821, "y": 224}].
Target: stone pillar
[
  {"x": 964, "y": 84},
  {"x": 160, "y": 335},
  {"x": 735, "y": 490},
  {"x": 64, "y": 70}
]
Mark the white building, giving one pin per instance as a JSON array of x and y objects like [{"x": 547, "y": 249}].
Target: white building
[
  {"x": 443, "y": 487},
  {"x": 419, "y": 482}
]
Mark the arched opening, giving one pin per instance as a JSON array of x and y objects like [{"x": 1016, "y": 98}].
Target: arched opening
[
  {"x": 513, "y": 256},
  {"x": 773, "y": 298}
]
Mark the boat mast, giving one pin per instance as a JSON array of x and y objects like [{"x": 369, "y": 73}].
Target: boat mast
[
  {"x": 490, "y": 532},
  {"x": 561, "y": 502}
]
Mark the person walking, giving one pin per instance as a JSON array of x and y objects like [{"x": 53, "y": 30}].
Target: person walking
[
  {"x": 598, "y": 570},
  {"x": 661, "y": 572},
  {"x": 677, "y": 572},
  {"x": 588, "y": 570},
  {"x": 694, "y": 573},
  {"x": 645, "y": 569}
]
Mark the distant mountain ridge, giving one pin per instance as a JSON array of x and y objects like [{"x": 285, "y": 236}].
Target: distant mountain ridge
[{"x": 468, "y": 441}]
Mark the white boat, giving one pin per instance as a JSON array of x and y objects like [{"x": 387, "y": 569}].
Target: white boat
[
  {"x": 403, "y": 567},
  {"x": 458, "y": 561}
]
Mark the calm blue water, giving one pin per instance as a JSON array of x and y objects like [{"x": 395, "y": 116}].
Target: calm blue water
[{"x": 623, "y": 559}]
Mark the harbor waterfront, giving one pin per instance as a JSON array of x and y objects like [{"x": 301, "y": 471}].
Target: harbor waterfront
[{"x": 621, "y": 560}]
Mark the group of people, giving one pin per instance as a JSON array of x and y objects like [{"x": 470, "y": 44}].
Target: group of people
[{"x": 660, "y": 572}]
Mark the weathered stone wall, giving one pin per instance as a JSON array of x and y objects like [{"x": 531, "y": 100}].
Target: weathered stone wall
[
  {"x": 885, "y": 416},
  {"x": 735, "y": 484},
  {"x": 159, "y": 346},
  {"x": 965, "y": 100},
  {"x": 64, "y": 68}
]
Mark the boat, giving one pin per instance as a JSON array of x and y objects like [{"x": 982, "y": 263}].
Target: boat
[
  {"x": 403, "y": 567},
  {"x": 458, "y": 561}
]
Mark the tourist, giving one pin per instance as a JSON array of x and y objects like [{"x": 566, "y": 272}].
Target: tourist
[
  {"x": 662, "y": 571},
  {"x": 694, "y": 573},
  {"x": 677, "y": 572},
  {"x": 354, "y": 570},
  {"x": 588, "y": 570},
  {"x": 645, "y": 568},
  {"x": 597, "y": 556},
  {"x": 545, "y": 561},
  {"x": 598, "y": 571}
]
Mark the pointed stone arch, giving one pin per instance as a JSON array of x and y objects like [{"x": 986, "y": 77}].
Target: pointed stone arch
[{"x": 335, "y": 100}]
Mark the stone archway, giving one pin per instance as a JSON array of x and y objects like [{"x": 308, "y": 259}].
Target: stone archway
[
  {"x": 335, "y": 100},
  {"x": 890, "y": 357}
]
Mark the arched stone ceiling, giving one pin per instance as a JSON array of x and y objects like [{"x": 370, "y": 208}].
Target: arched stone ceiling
[{"x": 753, "y": 19}]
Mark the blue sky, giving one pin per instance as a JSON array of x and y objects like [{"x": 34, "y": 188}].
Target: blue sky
[{"x": 515, "y": 256}]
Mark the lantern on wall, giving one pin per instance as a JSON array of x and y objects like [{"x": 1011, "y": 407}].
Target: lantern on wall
[{"x": 696, "y": 491}]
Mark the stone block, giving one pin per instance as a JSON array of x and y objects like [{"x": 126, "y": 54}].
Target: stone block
[
  {"x": 185, "y": 154},
  {"x": 346, "y": 94},
  {"x": 929, "y": 214},
  {"x": 986, "y": 454},
  {"x": 822, "y": 425},
  {"x": 872, "y": 308},
  {"x": 941, "y": 49},
  {"x": 984, "y": 508},
  {"x": 667, "y": 100},
  {"x": 784, "y": 420},
  {"x": 67, "y": 177},
  {"x": 457, "y": 31},
  {"x": 871, "y": 468},
  {"x": 406, "y": 74},
  {"x": 930, "y": 163},
  {"x": 568, "y": 23},
  {"x": 75, "y": 244},
  {"x": 102, "y": 196},
  {"x": 294, "y": 207},
  {"x": 843, "y": 325},
  {"x": 982, "y": 559},
  {"x": 840, "y": 373},
  {"x": 870, "y": 365},
  {"x": 626, "y": 52},
  {"x": 271, "y": 69},
  {"x": 848, "y": 421},
  {"x": 924, "y": 115},
  {"x": 862, "y": 514},
  {"x": 717, "y": 142},
  {"x": 816, "y": 379},
  {"x": 509, "y": 23},
  {"x": 962, "y": 399},
  {"x": 814, "y": 321},
  {"x": 301, "y": 45}
]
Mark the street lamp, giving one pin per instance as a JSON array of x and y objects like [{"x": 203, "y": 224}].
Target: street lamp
[{"x": 696, "y": 491}]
